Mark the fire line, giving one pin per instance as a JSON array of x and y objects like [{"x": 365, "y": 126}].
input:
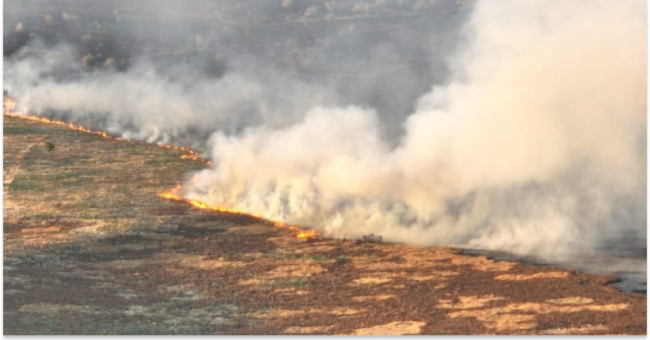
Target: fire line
[
  {"x": 9, "y": 106},
  {"x": 172, "y": 195}
]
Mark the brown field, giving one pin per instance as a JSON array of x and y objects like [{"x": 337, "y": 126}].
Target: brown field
[{"x": 90, "y": 249}]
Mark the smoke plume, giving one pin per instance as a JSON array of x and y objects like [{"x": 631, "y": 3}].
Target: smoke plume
[
  {"x": 175, "y": 72},
  {"x": 529, "y": 136},
  {"x": 536, "y": 146}
]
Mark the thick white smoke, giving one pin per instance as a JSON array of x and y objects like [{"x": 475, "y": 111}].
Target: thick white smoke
[
  {"x": 152, "y": 70},
  {"x": 537, "y": 146},
  {"x": 146, "y": 104}
]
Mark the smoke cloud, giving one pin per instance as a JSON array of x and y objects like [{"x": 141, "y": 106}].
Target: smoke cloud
[
  {"x": 537, "y": 145},
  {"x": 170, "y": 72},
  {"x": 522, "y": 128}
]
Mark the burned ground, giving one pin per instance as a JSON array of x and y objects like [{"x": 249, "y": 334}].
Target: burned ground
[{"x": 90, "y": 249}]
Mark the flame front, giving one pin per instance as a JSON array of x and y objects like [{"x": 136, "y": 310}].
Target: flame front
[
  {"x": 172, "y": 195},
  {"x": 9, "y": 107},
  {"x": 307, "y": 234},
  {"x": 9, "y": 110}
]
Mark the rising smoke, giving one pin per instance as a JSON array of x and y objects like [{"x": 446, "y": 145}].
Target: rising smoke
[
  {"x": 532, "y": 140},
  {"x": 531, "y": 148},
  {"x": 175, "y": 72}
]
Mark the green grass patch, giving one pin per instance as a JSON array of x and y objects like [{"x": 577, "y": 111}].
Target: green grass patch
[{"x": 293, "y": 283}]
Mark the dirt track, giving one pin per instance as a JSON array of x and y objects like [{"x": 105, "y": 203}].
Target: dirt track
[{"x": 90, "y": 249}]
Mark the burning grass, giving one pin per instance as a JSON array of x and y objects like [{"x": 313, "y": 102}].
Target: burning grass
[
  {"x": 89, "y": 248},
  {"x": 173, "y": 195},
  {"x": 9, "y": 106}
]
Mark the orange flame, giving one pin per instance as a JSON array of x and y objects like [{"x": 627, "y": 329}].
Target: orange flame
[
  {"x": 307, "y": 234},
  {"x": 8, "y": 104},
  {"x": 9, "y": 107},
  {"x": 172, "y": 195}
]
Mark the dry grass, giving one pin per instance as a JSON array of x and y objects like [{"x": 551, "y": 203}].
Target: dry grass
[
  {"x": 536, "y": 276},
  {"x": 393, "y": 328},
  {"x": 90, "y": 249}
]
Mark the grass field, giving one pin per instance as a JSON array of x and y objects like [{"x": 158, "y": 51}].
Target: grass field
[{"x": 89, "y": 248}]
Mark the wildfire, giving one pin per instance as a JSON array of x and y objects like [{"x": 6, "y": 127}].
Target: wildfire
[
  {"x": 172, "y": 195},
  {"x": 9, "y": 106},
  {"x": 307, "y": 234}
]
